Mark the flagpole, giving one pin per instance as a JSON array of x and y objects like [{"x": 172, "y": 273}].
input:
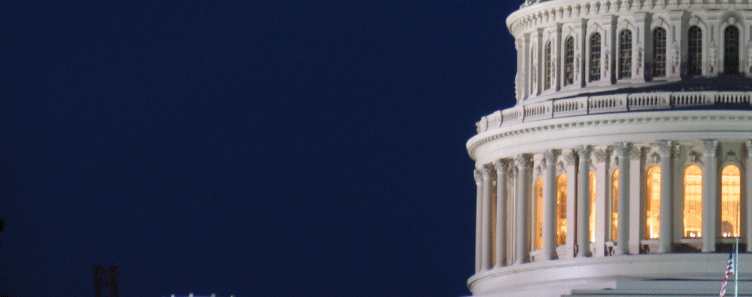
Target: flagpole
[{"x": 736, "y": 268}]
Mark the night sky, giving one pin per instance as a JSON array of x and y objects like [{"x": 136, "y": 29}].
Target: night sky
[{"x": 254, "y": 148}]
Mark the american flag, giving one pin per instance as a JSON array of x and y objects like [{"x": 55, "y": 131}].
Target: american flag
[{"x": 729, "y": 271}]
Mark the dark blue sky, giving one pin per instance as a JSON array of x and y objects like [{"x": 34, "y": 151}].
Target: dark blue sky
[{"x": 255, "y": 148}]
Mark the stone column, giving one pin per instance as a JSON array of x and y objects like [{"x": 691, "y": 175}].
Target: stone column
[
  {"x": 747, "y": 192},
  {"x": 636, "y": 205},
  {"x": 522, "y": 238},
  {"x": 622, "y": 245},
  {"x": 478, "y": 210},
  {"x": 571, "y": 172},
  {"x": 709, "y": 196},
  {"x": 601, "y": 198},
  {"x": 549, "y": 205},
  {"x": 486, "y": 172},
  {"x": 666, "y": 217},
  {"x": 583, "y": 201},
  {"x": 501, "y": 211}
]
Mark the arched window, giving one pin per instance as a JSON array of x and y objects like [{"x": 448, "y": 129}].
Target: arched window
[
  {"x": 692, "y": 201},
  {"x": 538, "y": 214},
  {"x": 592, "y": 206},
  {"x": 595, "y": 57},
  {"x": 549, "y": 66},
  {"x": 561, "y": 209},
  {"x": 730, "y": 197},
  {"x": 625, "y": 54},
  {"x": 653, "y": 203},
  {"x": 615, "y": 205},
  {"x": 694, "y": 51},
  {"x": 659, "y": 52},
  {"x": 731, "y": 50},
  {"x": 569, "y": 61}
]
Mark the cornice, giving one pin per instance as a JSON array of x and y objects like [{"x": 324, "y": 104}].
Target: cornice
[
  {"x": 541, "y": 14},
  {"x": 677, "y": 118}
]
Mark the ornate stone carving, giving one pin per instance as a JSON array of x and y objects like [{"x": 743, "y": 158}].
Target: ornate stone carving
[
  {"x": 478, "y": 177},
  {"x": 606, "y": 61},
  {"x": 568, "y": 158},
  {"x": 600, "y": 154},
  {"x": 622, "y": 148},
  {"x": 583, "y": 152},
  {"x": 749, "y": 56},
  {"x": 665, "y": 147},
  {"x": 676, "y": 59},
  {"x": 711, "y": 146},
  {"x": 486, "y": 171},
  {"x": 749, "y": 148},
  {"x": 712, "y": 57},
  {"x": 502, "y": 166},
  {"x": 635, "y": 152},
  {"x": 549, "y": 156},
  {"x": 639, "y": 60},
  {"x": 520, "y": 161},
  {"x": 693, "y": 157}
]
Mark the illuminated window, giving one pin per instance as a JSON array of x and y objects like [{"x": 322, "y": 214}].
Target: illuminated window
[
  {"x": 659, "y": 52},
  {"x": 731, "y": 50},
  {"x": 538, "y": 213},
  {"x": 730, "y": 197},
  {"x": 569, "y": 61},
  {"x": 492, "y": 209},
  {"x": 549, "y": 66},
  {"x": 625, "y": 54},
  {"x": 595, "y": 57},
  {"x": 592, "y": 206},
  {"x": 694, "y": 52},
  {"x": 692, "y": 201},
  {"x": 561, "y": 209},
  {"x": 615, "y": 205},
  {"x": 653, "y": 203}
]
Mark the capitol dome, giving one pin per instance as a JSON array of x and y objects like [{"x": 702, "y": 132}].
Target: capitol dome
[{"x": 624, "y": 165}]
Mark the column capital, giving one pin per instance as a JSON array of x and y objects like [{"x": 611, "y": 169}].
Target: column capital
[
  {"x": 486, "y": 172},
  {"x": 665, "y": 147},
  {"x": 583, "y": 152},
  {"x": 622, "y": 148},
  {"x": 478, "y": 177},
  {"x": 601, "y": 154},
  {"x": 501, "y": 166},
  {"x": 521, "y": 161},
  {"x": 549, "y": 156},
  {"x": 635, "y": 152},
  {"x": 568, "y": 158},
  {"x": 710, "y": 146},
  {"x": 749, "y": 150}
]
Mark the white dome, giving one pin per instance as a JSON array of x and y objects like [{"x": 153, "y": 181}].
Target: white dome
[{"x": 628, "y": 154}]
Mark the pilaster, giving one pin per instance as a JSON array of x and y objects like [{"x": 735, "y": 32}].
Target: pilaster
[
  {"x": 674, "y": 49},
  {"x": 486, "y": 172},
  {"x": 478, "y": 211},
  {"x": 635, "y": 199},
  {"x": 608, "y": 50}
]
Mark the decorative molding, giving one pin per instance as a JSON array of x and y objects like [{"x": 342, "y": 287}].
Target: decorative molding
[
  {"x": 600, "y": 154},
  {"x": 665, "y": 147},
  {"x": 710, "y": 146},
  {"x": 521, "y": 161}
]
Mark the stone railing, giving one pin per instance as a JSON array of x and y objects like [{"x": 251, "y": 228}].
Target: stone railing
[{"x": 561, "y": 108}]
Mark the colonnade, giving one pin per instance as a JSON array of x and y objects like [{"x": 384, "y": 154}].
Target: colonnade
[{"x": 506, "y": 226}]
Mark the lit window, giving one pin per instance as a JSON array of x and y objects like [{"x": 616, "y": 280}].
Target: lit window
[
  {"x": 592, "y": 206},
  {"x": 569, "y": 61},
  {"x": 692, "y": 201},
  {"x": 730, "y": 197},
  {"x": 615, "y": 205},
  {"x": 659, "y": 52},
  {"x": 538, "y": 213},
  {"x": 561, "y": 210},
  {"x": 549, "y": 66},
  {"x": 595, "y": 57},
  {"x": 731, "y": 50},
  {"x": 625, "y": 54},
  {"x": 653, "y": 203},
  {"x": 694, "y": 52}
]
